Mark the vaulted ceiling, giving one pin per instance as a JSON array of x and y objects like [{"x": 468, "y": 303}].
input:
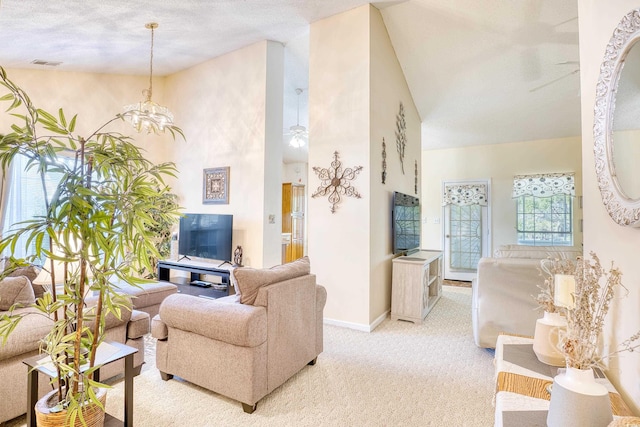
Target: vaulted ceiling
[{"x": 480, "y": 72}]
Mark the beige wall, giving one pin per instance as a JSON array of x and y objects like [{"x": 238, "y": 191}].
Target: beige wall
[
  {"x": 388, "y": 89},
  {"x": 355, "y": 88},
  {"x": 230, "y": 109},
  {"x": 95, "y": 98},
  {"x": 228, "y": 116},
  {"x": 498, "y": 163},
  {"x": 339, "y": 101},
  {"x": 597, "y": 20}
]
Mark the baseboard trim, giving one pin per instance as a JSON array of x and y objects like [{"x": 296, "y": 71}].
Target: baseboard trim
[{"x": 357, "y": 326}]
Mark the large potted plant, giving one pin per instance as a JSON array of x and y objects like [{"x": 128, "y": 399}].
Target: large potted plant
[{"x": 97, "y": 224}]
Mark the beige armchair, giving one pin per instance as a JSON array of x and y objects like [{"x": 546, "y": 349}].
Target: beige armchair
[{"x": 244, "y": 350}]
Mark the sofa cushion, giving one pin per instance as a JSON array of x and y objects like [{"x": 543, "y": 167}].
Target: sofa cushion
[
  {"x": 537, "y": 252},
  {"x": 111, "y": 319},
  {"x": 147, "y": 294},
  {"x": 236, "y": 324},
  {"x": 32, "y": 328},
  {"x": 250, "y": 280},
  {"x": 30, "y": 272},
  {"x": 15, "y": 290}
]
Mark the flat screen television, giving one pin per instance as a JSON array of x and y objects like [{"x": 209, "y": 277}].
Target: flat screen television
[
  {"x": 405, "y": 223},
  {"x": 206, "y": 236}
]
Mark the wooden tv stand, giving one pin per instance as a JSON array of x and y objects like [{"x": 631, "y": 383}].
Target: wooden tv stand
[
  {"x": 196, "y": 269},
  {"x": 416, "y": 285}
]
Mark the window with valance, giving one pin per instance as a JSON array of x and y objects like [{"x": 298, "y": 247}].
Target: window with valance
[
  {"x": 544, "y": 208},
  {"x": 544, "y": 185}
]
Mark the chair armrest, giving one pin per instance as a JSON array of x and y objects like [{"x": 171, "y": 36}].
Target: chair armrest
[
  {"x": 159, "y": 329},
  {"x": 321, "y": 298},
  {"x": 138, "y": 326},
  {"x": 237, "y": 324}
]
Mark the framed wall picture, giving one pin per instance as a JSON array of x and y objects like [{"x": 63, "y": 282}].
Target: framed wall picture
[{"x": 215, "y": 186}]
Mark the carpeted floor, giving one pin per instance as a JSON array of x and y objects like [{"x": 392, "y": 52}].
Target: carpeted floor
[{"x": 401, "y": 374}]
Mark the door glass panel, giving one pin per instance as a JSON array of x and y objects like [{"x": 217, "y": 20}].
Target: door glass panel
[{"x": 466, "y": 237}]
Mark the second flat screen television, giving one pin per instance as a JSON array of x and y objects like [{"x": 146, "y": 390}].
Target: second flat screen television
[
  {"x": 406, "y": 223},
  {"x": 206, "y": 236}
]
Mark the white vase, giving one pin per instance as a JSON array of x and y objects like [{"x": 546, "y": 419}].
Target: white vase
[
  {"x": 546, "y": 338},
  {"x": 577, "y": 400}
]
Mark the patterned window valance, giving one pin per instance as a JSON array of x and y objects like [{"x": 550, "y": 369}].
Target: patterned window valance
[
  {"x": 465, "y": 194},
  {"x": 544, "y": 185}
]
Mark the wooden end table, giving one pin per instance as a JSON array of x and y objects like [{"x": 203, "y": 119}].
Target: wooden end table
[{"x": 108, "y": 352}]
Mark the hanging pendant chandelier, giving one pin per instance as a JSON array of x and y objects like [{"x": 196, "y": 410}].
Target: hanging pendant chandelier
[
  {"x": 147, "y": 115},
  {"x": 298, "y": 133}
]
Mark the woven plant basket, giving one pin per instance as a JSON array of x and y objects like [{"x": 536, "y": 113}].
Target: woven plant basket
[{"x": 92, "y": 413}]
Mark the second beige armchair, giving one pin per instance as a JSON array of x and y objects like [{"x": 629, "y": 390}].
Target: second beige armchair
[{"x": 266, "y": 341}]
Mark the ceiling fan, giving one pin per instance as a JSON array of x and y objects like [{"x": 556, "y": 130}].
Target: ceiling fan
[
  {"x": 298, "y": 133},
  {"x": 562, "y": 77},
  {"x": 536, "y": 32}
]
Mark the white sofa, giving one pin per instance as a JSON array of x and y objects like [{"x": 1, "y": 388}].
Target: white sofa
[{"x": 505, "y": 288}]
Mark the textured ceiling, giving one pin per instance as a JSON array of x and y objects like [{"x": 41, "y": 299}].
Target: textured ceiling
[
  {"x": 480, "y": 72},
  {"x": 489, "y": 71},
  {"x": 109, "y": 36}
]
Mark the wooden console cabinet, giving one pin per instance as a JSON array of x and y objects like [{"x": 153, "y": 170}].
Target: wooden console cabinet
[{"x": 416, "y": 285}]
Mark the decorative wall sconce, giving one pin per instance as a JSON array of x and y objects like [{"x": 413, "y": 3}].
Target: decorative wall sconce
[
  {"x": 401, "y": 135},
  {"x": 415, "y": 183},
  {"x": 384, "y": 162}
]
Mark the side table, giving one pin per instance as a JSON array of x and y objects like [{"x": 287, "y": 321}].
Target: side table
[
  {"x": 107, "y": 352},
  {"x": 522, "y": 399}
]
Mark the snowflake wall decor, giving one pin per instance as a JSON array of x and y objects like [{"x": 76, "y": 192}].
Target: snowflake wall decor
[{"x": 336, "y": 182}]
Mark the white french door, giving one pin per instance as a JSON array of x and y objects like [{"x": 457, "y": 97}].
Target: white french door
[{"x": 466, "y": 228}]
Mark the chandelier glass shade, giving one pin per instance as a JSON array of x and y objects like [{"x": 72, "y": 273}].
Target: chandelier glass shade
[{"x": 148, "y": 115}]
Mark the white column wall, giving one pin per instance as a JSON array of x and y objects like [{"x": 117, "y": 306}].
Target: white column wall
[
  {"x": 355, "y": 89},
  {"x": 597, "y": 20},
  {"x": 339, "y": 102},
  {"x": 272, "y": 212}
]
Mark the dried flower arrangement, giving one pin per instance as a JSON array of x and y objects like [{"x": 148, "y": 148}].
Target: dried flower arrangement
[
  {"x": 595, "y": 288},
  {"x": 552, "y": 266}
]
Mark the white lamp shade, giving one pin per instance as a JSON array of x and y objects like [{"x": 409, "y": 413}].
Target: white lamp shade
[
  {"x": 44, "y": 278},
  {"x": 564, "y": 289}
]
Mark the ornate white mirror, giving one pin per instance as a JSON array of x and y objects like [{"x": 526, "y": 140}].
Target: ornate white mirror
[{"x": 616, "y": 127}]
